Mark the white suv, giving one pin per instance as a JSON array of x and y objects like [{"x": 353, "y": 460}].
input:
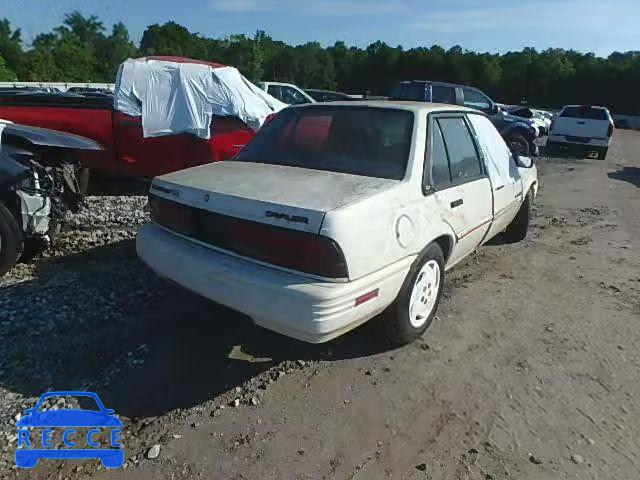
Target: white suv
[{"x": 581, "y": 130}]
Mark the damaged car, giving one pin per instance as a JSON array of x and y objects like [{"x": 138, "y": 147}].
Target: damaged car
[
  {"x": 340, "y": 212},
  {"x": 40, "y": 181}
]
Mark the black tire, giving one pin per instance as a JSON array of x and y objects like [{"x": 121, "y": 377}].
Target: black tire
[
  {"x": 552, "y": 149},
  {"x": 602, "y": 154},
  {"x": 519, "y": 226},
  {"x": 84, "y": 175},
  {"x": 10, "y": 240},
  {"x": 395, "y": 323},
  {"x": 517, "y": 143}
]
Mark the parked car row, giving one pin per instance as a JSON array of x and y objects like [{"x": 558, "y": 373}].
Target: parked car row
[
  {"x": 520, "y": 133},
  {"x": 323, "y": 215},
  {"x": 118, "y": 122}
]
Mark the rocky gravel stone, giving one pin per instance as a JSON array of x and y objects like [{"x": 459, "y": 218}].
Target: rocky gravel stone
[
  {"x": 62, "y": 316},
  {"x": 154, "y": 452}
]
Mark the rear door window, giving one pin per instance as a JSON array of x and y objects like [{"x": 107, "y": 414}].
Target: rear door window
[
  {"x": 414, "y": 92},
  {"x": 293, "y": 96},
  {"x": 585, "y": 113},
  {"x": 275, "y": 91},
  {"x": 440, "y": 173},
  {"x": 440, "y": 94},
  {"x": 464, "y": 162}
]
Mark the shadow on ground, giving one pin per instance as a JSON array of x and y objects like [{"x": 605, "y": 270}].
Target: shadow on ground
[
  {"x": 106, "y": 185},
  {"x": 100, "y": 321},
  {"x": 627, "y": 174}
]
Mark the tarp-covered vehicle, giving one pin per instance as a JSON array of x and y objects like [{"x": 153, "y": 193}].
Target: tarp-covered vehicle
[
  {"x": 40, "y": 181},
  {"x": 166, "y": 114}
]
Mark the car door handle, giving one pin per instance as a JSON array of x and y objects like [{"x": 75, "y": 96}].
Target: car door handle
[
  {"x": 456, "y": 203},
  {"x": 582, "y": 123},
  {"x": 237, "y": 145},
  {"x": 499, "y": 188}
]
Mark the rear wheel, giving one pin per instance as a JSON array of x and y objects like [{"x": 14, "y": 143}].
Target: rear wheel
[
  {"x": 518, "y": 144},
  {"x": 83, "y": 180},
  {"x": 552, "y": 149},
  {"x": 10, "y": 240},
  {"x": 412, "y": 312},
  {"x": 519, "y": 226},
  {"x": 602, "y": 153}
]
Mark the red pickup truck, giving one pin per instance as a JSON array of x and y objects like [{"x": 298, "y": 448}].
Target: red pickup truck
[{"x": 126, "y": 152}]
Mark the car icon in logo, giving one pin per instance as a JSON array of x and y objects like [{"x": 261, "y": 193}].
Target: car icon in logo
[{"x": 66, "y": 420}]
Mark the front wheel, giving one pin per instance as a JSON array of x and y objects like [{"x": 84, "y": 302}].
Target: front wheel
[
  {"x": 409, "y": 316},
  {"x": 519, "y": 226},
  {"x": 83, "y": 176},
  {"x": 10, "y": 240},
  {"x": 518, "y": 144}
]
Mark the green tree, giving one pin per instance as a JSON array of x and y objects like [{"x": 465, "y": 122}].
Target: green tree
[
  {"x": 172, "y": 39},
  {"x": 6, "y": 74},
  {"x": 11, "y": 47}
]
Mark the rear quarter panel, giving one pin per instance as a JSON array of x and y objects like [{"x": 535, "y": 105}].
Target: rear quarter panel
[{"x": 385, "y": 228}]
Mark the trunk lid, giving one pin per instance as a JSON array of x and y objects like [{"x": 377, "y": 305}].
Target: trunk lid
[{"x": 290, "y": 197}]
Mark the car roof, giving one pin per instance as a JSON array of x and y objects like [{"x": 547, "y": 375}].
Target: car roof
[
  {"x": 280, "y": 83},
  {"x": 168, "y": 58},
  {"x": 322, "y": 91},
  {"x": 442, "y": 84},
  {"x": 422, "y": 107},
  {"x": 585, "y": 106}
]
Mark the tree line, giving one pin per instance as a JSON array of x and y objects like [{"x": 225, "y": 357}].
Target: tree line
[{"x": 82, "y": 49}]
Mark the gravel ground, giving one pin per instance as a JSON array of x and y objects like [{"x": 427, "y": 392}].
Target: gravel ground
[{"x": 530, "y": 370}]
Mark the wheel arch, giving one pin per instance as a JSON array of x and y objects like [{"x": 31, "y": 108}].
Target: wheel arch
[{"x": 446, "y": 243}]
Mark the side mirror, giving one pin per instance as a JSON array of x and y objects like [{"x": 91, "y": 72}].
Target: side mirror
[{"x": 523, "y": 162}]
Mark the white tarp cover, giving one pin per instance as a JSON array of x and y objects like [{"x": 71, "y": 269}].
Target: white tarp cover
[
  {"x": 177, "y": 97},
  {"x": 501, "y": 168}
]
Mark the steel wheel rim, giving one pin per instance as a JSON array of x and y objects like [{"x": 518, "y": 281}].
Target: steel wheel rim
[{"x": 424, "y": 293}]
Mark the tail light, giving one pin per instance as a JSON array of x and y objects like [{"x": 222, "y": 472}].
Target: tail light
[
  {"x": 301, "y": 251},
  {"x": 610, "y": 131},
  {"x": 292, "y": 249},
  {"x": 172, "y": 215}
]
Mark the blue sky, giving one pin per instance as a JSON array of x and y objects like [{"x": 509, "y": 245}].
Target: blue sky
[{"x": 481, "y": 25}]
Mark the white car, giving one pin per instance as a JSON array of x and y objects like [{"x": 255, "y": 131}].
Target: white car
[
  {"x": 286, "y": 93},
  {"x": 336, "y": 213},
  {"x": 581, "y": 130}
]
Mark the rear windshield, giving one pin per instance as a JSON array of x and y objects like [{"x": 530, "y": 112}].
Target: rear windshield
[
  {"x": 368, "y": 141},
  {"x": 588, "y": 113}
]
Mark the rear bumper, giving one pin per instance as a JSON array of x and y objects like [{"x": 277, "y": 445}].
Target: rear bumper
[
  {"x": 594, "y": 142},
  {"x": 558, "y": 146},
  {"x": 288, "y": 303}
]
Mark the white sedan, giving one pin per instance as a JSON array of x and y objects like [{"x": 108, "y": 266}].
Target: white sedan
[{"x": 337, "y": 213}]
